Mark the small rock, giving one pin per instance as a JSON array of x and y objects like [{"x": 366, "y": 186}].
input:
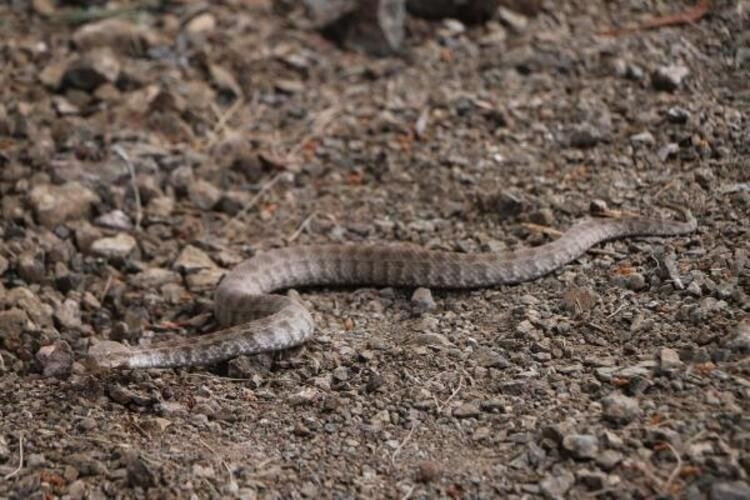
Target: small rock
[
  {"x": 644, "y": 138},
  {"x": 203, "y": 194},
  {"x": 608, "y": 459},
  {"x": 54, "y": 205},
  {"x": 669, "y": 78},
  {"x": 585, "y": 136},
  {"x": 116, "y": 219},
  {"x": 36, "y": 460},
  {"x": 620, "y": 409},
  {"x": 91, "y": 70},
  {"x": 579, "y": 299},
  {"x": 193, "y": 259},
  {"x": 68, "y": 314},
  {"x": 677, "y": 115},
  {"x": 201, "y": 23},
  {"x": 594, "y": 480},
  {"x": 118, "y": 34},
  {"x": 3, "y": 265},
  {"x": 116, "y": 247},
  {"x": 154, "y": 277},
  {"x": 491, "y": 359},
  {"x": 56, "y": 359},
  {"x": 428, "y": 471},
  {"x": 556, "y": 485},
  {"x": 422, "y": 299},
  {"x": 669, "y": 360},
  {"x": 138, "y": 473},
  {"x": 632, "y": 281},
  {"x": 467, "y": 410},
  {"x": 431, "y": 339},
  {"x": 725, "y": 490},
  {"x": 30, "y": 266},
  {"x": 741, "y": 338},
  {"x": 582, "y": 446}
]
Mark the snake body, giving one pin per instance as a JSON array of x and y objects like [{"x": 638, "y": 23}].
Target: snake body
[{"x": 257, "y": 321}]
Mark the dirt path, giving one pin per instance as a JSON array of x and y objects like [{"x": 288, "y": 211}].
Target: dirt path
[{"x": 624, "y": 375}]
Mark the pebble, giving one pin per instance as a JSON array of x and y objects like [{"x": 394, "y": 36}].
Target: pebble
[
  {"x": 68, "y": 314},
  {"x": 741, "y": 338},
  {"x": 467, "y": 410},
  {"x": 117, "y": 247},
  {"x": 583, "y": 446},
  {"x": 56, "y": 359},
  {"x": 669, "y": 78},
  {"x": 644, "y": 138},
  {"x": 608, "y": 459},
  {"x": 54, "y": 205},
  {"x": 734, "y": 490},
  {"x": 116, "y": 219},
  {"x": 154, "y": 277},
  {"x": 431, "y": 339},
  {"x": 192, "y": 259},
  {"x": 30, "y": 266},
  {"x": 488, "y": 358},
  {"x": 620, "y": 409},
  {"x": 669, "y": 360},
  {"x": 138, "y": 473},
  {"x": 556, "y": 485},
  {"x": 13, "y": 322},
  {"x": 94, "y": 68},
  {"x": 203, "y": 194},
  {"x": 422, "y": 299},
  {"x": 428, "y": 471}
]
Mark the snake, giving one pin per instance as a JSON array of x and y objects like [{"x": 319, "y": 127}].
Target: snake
[{"x": 255, "y": 320}]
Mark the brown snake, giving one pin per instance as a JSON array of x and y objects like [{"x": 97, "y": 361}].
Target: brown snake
[{"x": 265, "y": 322}]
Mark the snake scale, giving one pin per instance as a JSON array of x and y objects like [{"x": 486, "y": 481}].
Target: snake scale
[{"x": 257, "y": 321}]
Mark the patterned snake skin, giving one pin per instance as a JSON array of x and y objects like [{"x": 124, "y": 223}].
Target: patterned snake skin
[{"x": 265, "y": 322}]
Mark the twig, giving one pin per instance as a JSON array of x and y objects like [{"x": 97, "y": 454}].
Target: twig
[
  {"x": 223, "y": 118},
  {"x": 675, "y": 471},
  {"x": 302, "y": 227},
  {"x": 106, "y": 288},
  {"x": 268, "y": 185},
  {"x": 401, "y": 445},
  {"x": 610, "y": 316},
  {"x": 136, "y": 194},
  {"x": 453, "y": 395},
  {"x": 20, "y": 459},
  {"x": 689, "y": 16}
]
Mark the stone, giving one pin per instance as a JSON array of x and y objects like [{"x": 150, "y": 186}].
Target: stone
[
  {"x": 193, "y": 259},
  {"x": 726, "y": 490},
  {"x": 153, "y": 278},
  {"x": 118, "y": 34},
  {"x": 116, "y": 219},
  {"x": 94, "y": 68},
  {"x": 54, "y": 205},
  {"x": 669, "y": 78},
  {"x": 669, "y": 360},
  {"x": 203, "y": 194},
  {"x": 30, "y": 267},
  {"x": 467, "y": 410},
  {"x": 620, "y": 409},
  {"x": 68, "y": 314},
  {"x": 422, "y": 299},
  {"x": 119, "y": 246},
  {"x": 56, "y": 359},
  {"x": 583, "y": 446},
  {"x": 428, "y": 471},
  {"x": 556, "y": 485}
]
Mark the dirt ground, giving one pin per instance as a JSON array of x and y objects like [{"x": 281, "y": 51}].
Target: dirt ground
[{"x": 142, "y": 155}]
